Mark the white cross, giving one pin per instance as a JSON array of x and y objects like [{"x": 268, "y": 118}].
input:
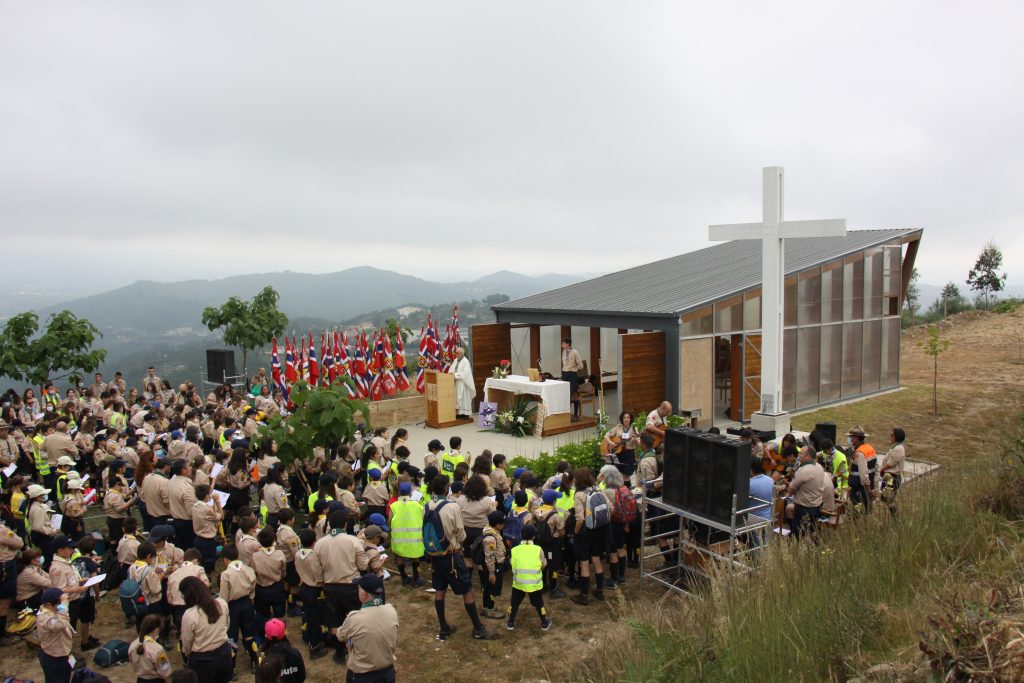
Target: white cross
[{"x": 772, "y": 230}]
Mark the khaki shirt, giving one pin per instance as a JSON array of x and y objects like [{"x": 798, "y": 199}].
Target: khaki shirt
[
  {"x": 205, "y": 518},
  {"x": 58, "y": 444},
  {"x": 348, "y": 499},
  {"x": 64, "y": 575},
  {"x": 275, "y": 498},
  {"x": 115, "y": 504},
  {"x": 808, "y": 485},
  {"x": 187, "y": 569},
  {"x": 155, "y": 494},
  {"x": 152, "y": 662},
  {"x": 451, "y": 521},
  {"x": 269, "y": 565},
  {"x": 10, "y": 544},
  {"x": 894, "y": 459},
  {"x": 371, "y": 634},
  {"x": 181, "y": 496},
  {"x": 237, "y": 581},
  {"x": 648, "y": 468},
  {"x": 149, "y": 579},
  {"x": 247, "y": 547},
  {"x": 571, "y": 361},
  {"x": 499, "y": 480},
  {"x": 308, "y": 566},
  {"x": 556, "y": 522},
  {"x": 374, "y": 559},
  {"x": 54, "y": 631},
  {"x": 39, "y": 519},
  {"x": 266, "y": 462},
  {"x": 127, "y": 548},
  {"x": 341, "y": 556},
  {"x": 198, "y": 634},
  {"x": 32, "y": 581},
  {"x": 376, "y": 493},
  {"x": 494, "y": 550},
  {"x": 73, "y": 504},
  {"x": 288, "y": 542},
  {"x": 8, "y": 451}
]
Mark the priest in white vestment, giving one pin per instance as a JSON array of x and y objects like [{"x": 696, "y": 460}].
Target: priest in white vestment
[{"x": 465, "y": 389}]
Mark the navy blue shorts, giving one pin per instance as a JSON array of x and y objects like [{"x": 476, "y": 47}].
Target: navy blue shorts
[{"x": 450, "y": 572}]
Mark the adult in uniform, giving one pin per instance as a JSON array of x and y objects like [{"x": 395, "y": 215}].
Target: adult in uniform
[
  {"x": 371, "y": 634},
  {"x": 10, "y": 544},
  {"x": 204, "y": 633},
  {"x": 863, "y": 464},
  {"x": 40, "y": 531},
  {"x": 53, "y": 626},
  {"x": 156, "y": 495},
  {"x": 181, "y": 497},
  {"x": 571, "y": 366},
  {"x": 655, "y": 425},
  {"x": 56, "y": 444},
  {"x": 342, "y": 559}
]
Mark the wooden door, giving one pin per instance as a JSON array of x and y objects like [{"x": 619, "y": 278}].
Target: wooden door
[
  {"x": 491, "y": 344},
  {"x": 751, "y": 374},
  {"x": 642, "y": 373}
]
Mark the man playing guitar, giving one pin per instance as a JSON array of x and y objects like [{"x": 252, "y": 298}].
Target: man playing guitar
[{"x": 656, "y": 422}]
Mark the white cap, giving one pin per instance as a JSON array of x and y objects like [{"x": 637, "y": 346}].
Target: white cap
[
  {"x": 65, "y": 461},
  {"x": 35, "y": 490}
]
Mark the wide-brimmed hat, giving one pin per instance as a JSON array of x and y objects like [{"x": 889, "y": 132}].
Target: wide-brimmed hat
[
  {"x": 858, "y": 431},
  {"x": 75, "y": 484},
  {"x": 65, "y": 461},
  {"x": 35, "y": 490},
  {"x": 3, "y": 424}
]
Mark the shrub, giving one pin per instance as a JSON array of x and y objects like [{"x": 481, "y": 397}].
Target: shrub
[
  {"x": 582, "y": 454},
  {"x": 1008, "y": 305}
]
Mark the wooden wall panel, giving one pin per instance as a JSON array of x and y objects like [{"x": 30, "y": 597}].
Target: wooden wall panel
[
  {"x": 534, "y": 346},
  {"x": 751, "y": 375},
  {"x": 595, "y": 354},
  {"x": 642, "y": 372},
  {"x": 491, "y": 345},
  {"x": 696, "y": 378}
]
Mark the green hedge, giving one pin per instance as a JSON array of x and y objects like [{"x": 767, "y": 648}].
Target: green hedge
[{"x": 583, "y": 454}]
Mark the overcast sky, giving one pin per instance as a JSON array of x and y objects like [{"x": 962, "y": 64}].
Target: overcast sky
[{"x": 166, "y": 140}]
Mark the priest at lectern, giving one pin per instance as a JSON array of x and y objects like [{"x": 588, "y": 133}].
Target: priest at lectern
[{"x": 465, "y": 389}]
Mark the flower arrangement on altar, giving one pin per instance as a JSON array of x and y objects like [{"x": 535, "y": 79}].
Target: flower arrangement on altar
[
  {"x": 502, "y": 370},
  {"x": 518, "y": 420}
]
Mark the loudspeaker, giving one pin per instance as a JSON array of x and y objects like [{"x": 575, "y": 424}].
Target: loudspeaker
[
  {"x": 220, "y": 363},
  {"x": 823, "y": 430},
  {"x": 703, "y": 471}
]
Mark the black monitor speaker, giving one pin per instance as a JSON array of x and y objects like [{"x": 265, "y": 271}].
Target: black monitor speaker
[
  {"x": 704, "y": 471},
  {"x": 824, "y": 430},
  {"x": 220, "y": 363}
]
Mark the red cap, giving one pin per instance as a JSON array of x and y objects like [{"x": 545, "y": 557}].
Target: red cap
[{"x": 274, "y": 629}]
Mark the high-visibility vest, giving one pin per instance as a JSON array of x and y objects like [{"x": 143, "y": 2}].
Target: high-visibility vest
[
  {"x": 61, "y": 489},
  {"x": 565, "y": 503},
  {"x": 311, "y": 501},
  {"x": 42, "y": 467},
  {"x": 449, "y": 461},
  {"x": 118, "y": 421},
  {"x": 407, "y": 528},
  {"x": 869, "y": 455},
  {"x": 527, "y": 573},
  {"x": 221, "y": 441},
  {"x": 838, "y": 463}
]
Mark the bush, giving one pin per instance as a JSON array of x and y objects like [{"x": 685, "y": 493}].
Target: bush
[
  {"x": 583, "y": 454},
  {"x": 1008, "y": 305}
]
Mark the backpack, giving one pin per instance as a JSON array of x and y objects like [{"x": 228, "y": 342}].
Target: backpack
[
  {"x": 112, "y": 652},
  {"x": 476, "y": 551},
  {"x": 22, "y": 624},
  {"x": 597, "y": 514},
  {"x": 625, "y": 506},
  {"x": 513, "y": 531},
  {"x": 543, "y": 537},
  {"x": 113, "y": 569},
  {"x": 133, "y": 602},
  {"x": 434, "y": 541}
]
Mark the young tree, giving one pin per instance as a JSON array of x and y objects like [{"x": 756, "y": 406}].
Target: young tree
[
  {"x": 63, "y": 349},
  {"x": 913, "y": 296},
  {"x": 325, "y": 417},
  {"x": 951, "y": 299},
  {"x": 247, "y": 324},
  {"x": 984, "y": 276},
  {"x": 933, "y": 346}
]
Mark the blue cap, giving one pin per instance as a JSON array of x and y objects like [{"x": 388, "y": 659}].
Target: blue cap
[
  {"x": 378, "y": 519},
  {"x": 550, "y": 496},
  {"x": 405, "y": 489},
  {"x": 518, "y": 472},
  {"x": 176, "y": 434},
  {"x": 375, "y": 474},
  {"x": 371, "y": 584},
  {"x": 556, "y": 483},
  {"x": 51, "y": 596}
]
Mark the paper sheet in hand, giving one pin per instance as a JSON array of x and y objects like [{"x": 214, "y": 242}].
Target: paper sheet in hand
[
  {"x": 221, "y": 496},
  {"x": 9, "y": 470},
  {"x": 215, "y": 472},
  {"x": 55, "y": 521},
  {"x": 94, "y": 580},
  {"x": 386, "y": 575}
]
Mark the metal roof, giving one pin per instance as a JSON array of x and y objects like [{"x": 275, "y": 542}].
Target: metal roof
[{"x": 681, "y": 283}]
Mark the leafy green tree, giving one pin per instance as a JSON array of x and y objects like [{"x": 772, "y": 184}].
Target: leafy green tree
[
  {"x": 247, "y": 324},
  {"x": 913, "y": 298},
  {"x": 952, "y": 299},
  {"x": 62, "y": 350},
  {"x": 934, "y": 347},
  {"x": 325, "y": 417},
  {"x": 984, "y": 276}
]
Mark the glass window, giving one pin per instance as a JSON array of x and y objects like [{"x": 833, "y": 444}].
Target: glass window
[
  {"x": 696, "y": 323},
  {"x": 873, "y": 284},
  {"x": 789, "y": 365},
  {"x": 831, "y": 361},
  {"x": 752, "y": 310},
  {"x": 832, "y": 293},
  {"x": 871, "y": 364},
  {"x": 729, "y": 315},
  {"x": 809, "y": 299},
  {"x": 892, "y": 271},
  {"x": 789, "y": 296},
  {"x": 853, "y": 288},
  {"x": 808, "y": 366},
  {"x": 853, "y": 339},
  {"x": 890, "y": 375}
]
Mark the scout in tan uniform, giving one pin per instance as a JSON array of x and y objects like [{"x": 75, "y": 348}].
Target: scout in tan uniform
[
  {"x": 289, "y": 544},
  {"x": 64, "y": 575},
  {"x": 207, "y": 516},
  {"x": 492, "y": 569},
  {"x": 371, "y": 633},
  {"x": 204, "y": 633},
  {"x": 274, "y": 494},
  {"x": 53, "y": 626},
  {"x": 10, "y": 544},
  {"x": 237, "y": 587},
  {"x": 129, "y": 543},
  {"x": 372, "y": 537},
  {"x": 342, "y": 559},
  {"x": 155, "y": 494},
  {"x": 150, "y": 577},
  {"x": 73, "y": 508},
  {"x": 116, "y": 504},
  {"x": 190, "y": 566},
  {"x": 149, "y": 661},
  {"x": 32, "y": 579},
  {"x": 308, "y": 567},
  {"x": 40, "y": 531},
  {"x": 168, "y": 556},
  {"x": 247, "y": 543},
  {"x": 181, "y": 497},
  {"x": 269, "y": 564}
]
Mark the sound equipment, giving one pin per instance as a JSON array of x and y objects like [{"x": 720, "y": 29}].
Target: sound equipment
[
  {"x": 220, "y": 364},
  {"x": 737, "y": 431},
  {"x": 824, "y": 430},
  {"x": 703, "y": 471}
]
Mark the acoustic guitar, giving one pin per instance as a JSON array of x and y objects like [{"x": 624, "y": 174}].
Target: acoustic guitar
[{"x": 617, "y": 445}]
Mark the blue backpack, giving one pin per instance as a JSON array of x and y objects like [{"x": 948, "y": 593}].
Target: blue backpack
[
  {"x": 133, "y": 602},
  {"x": 434, "y": 541},
  {"x": 513, "y": 531}
]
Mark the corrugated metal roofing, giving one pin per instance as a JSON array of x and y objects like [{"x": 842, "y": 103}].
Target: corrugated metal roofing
[{"x": 680, "y": 283}]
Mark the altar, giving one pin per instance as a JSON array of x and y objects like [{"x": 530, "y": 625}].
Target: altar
[{"x": 552, "y": 397}]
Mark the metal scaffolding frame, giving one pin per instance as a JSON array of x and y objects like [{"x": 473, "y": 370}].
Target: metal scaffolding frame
[{"x": 736, "y": 558}]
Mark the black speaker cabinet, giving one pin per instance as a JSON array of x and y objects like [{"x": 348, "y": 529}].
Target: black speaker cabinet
[
  {"x": 220, "y": 363},
  {"x": 823, "y": 430},
  {"x": 704, "y": 471}
]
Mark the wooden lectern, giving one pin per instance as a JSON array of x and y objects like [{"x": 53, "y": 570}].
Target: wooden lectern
[{"x": 440, "y": 399}]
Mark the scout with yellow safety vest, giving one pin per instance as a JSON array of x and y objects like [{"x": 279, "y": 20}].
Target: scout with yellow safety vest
[
  {"x": 452, "y": 457},
  {"x": 528, "y": 563},
  {"x": 407, "y": 534}
]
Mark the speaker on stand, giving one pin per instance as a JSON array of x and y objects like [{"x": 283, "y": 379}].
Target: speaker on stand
[{"x": 220, "y": 364}]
